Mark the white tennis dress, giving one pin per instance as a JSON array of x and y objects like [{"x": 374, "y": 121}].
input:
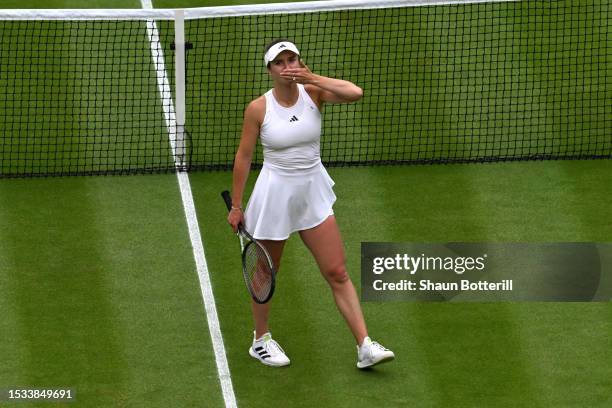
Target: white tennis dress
[{"x": 293, "y": 191}]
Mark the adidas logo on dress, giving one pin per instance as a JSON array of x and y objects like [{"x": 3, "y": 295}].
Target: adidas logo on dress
[{"x": 293, "y": 119}]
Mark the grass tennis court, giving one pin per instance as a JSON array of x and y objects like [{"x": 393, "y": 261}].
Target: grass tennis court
[{"x": 98, "y": 291}]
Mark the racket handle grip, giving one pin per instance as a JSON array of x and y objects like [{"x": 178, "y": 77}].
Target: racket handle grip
[{"x": 228, "y": 199}]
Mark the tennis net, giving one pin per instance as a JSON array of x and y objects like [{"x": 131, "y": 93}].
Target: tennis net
[{"x": 444, "y": 81}]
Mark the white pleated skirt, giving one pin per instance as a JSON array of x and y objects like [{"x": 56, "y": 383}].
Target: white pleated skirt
[{"x": 286, "y": 201}]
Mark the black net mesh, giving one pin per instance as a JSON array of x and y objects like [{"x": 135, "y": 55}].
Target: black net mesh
[{"x": 443, "y": 83}]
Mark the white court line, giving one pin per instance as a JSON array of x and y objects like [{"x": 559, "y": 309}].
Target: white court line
[{"x": 192, "y": 220}]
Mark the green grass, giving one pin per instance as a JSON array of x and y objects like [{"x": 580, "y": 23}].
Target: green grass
[
  {"x": 101, "y": 294},
  {"x": 502, "y": 354},
  {"x": 98, "y": 288}
]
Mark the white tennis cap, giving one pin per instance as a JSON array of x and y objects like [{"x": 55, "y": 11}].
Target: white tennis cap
[{"x": 278, "y": 48}]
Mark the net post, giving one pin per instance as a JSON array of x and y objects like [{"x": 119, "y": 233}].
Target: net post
[{"x": 179, "y": 41}]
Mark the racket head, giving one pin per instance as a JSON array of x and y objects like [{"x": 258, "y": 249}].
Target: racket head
[
  {"x": 258, "y": 270},
  {"x": 257, "y": 266}
]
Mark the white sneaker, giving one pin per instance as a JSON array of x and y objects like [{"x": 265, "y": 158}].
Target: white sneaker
[
  {"x": 371, "y": 353},
  {"x": 268, "y": 351}
]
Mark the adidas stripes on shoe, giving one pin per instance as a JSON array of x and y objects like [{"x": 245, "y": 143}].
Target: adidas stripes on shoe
[
  {"x": 371, "y": 353},
  {"x": 268, "y": 351}
]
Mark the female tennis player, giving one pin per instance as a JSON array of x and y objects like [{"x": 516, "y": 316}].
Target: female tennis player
[{"x": 293, "y": 192}]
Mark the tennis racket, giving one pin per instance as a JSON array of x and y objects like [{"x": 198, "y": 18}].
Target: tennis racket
[{"x": 257, "y": 266}]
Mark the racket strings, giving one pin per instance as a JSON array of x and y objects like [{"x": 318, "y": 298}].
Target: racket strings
[{"x": 258, "y": 272}]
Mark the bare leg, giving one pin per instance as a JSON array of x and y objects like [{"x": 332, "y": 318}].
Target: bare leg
[
  {"x": 262, "y": 311},
  {"x": 325, "y": 243}
]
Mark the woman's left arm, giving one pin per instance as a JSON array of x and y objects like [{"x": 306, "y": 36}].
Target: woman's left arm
[{"x": 329, "y": 89}]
